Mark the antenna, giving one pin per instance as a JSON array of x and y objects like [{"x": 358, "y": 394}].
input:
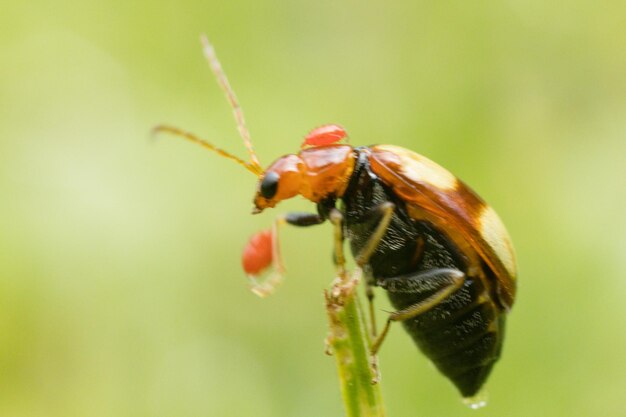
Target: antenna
[{"x": 253, "y": 165}]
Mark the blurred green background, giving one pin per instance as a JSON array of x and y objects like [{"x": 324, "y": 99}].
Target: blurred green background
[{"x": 121, "y": 291}]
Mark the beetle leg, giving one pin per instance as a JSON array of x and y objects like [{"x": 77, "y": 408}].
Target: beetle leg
[
  {"x": 301, "y": 219},
  {"x": 267, "y": 286},
  {"x": 410, "y": 284},
  {"x": 336, "y": 218},
  {"x": 369, "y": 293},
  {"x": 386, "y": 211}
]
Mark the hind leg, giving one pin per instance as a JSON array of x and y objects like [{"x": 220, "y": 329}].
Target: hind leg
[{"x": 417, "y": 283}]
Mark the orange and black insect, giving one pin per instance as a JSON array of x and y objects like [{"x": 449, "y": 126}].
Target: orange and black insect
[{"x": 441, "y": 253}]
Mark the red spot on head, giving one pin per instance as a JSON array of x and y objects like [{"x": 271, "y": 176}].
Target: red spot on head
[
  {"x": 257, "y": 255},
  {"x": 325, "y": 135}
]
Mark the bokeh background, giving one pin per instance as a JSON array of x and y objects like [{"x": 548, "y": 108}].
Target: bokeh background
[{"x": 121, "y": 291}]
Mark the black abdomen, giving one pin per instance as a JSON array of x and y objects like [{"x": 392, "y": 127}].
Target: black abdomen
[{"x": 463, "y": 334}]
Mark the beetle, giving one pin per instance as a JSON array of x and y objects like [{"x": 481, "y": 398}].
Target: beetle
[{"x": 441, "y": 253}]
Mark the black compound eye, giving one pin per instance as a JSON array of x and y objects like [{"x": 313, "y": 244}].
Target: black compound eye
[{"x": 269, "y": 185}]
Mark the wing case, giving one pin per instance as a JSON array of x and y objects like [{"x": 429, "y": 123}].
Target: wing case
[{"x": 434, "y": 194}]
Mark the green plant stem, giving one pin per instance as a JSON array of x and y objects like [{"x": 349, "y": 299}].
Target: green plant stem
[{"x": 350, "y": 342}]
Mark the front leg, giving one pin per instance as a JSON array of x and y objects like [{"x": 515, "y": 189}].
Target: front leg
[
  {"x": 265, "y": 287},
  {"x": 303, "y": 219}
]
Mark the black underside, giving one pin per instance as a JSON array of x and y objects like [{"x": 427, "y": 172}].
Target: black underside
[{"x": 462, "y": 335}]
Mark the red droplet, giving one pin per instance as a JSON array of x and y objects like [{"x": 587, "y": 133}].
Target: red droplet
[
  {"x": 325, "y": 135},
  {"x": 257, "y": 255}
]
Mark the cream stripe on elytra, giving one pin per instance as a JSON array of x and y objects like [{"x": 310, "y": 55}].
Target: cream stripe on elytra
[
  {"x": 496, "y": 236},
  {"x": 420, "y": 169}
]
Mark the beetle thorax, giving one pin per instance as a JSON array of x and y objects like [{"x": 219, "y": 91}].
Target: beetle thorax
[{"x": 315, "y": 173}]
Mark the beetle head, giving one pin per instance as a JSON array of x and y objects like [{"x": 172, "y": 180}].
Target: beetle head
[{"x": 280, "y": 181}]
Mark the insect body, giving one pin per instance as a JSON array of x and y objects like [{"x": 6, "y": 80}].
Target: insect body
[
  {"x": 445, "y": 259},
  {"x": 440, "y": 252}
]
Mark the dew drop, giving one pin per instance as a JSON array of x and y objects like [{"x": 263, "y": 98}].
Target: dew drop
[{"x": 477, "y": 401}]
